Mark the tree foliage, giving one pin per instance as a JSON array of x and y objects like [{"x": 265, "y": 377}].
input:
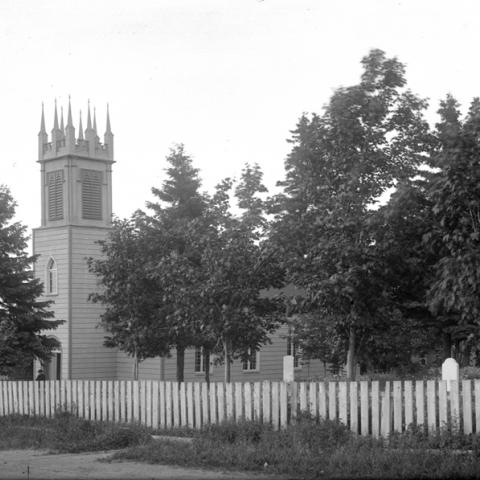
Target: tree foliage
[
  {"x": 24, "y": 319},
  {"x": 370, "y": 136}
]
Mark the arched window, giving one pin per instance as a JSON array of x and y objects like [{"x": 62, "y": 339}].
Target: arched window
[{"x": 52, "y": 277}]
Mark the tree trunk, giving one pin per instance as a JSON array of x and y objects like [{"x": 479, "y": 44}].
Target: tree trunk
[
  {"x": 227, "y": 351},
  {"x": 351, "y": 370},
  {"x": 135, "y": 366},
  {"x": 180, "y": 363},
  {"x": 447, "y": 345},
  {"x": 206, "y": 364}
]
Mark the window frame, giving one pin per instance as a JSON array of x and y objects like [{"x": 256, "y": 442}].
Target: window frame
[
  {"x": 51, "y": 277},
  {"x": 199, "y": 361},
  {"x": 248, "y": 362}
]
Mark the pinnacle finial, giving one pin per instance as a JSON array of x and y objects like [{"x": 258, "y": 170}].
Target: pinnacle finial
[
  {"x": 94, "y": 119},
  {"x": 109, "y": 128},
  {"x": 55, "y": 117},
  {"x": 62, "y": 126},
  {"x": 69, "y": 117},
  {"x": 42, "y": 121},
  {"x": 89, "y": 120},
  {"x": 80, "y": 127}
]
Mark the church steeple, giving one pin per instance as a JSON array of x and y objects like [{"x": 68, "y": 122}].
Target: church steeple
[{"x": 63, "y": 139}]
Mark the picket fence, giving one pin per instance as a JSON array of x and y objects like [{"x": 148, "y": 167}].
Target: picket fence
[{"x": 367, "y": 408}]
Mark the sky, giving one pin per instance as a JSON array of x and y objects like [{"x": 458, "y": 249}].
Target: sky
[{"x": 227, "y": 78}]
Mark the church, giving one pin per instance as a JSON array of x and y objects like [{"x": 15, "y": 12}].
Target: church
[{"x": 76, "y": 212}]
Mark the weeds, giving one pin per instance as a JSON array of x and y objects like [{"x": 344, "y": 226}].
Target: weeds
[{"x": 67, "y": 433}]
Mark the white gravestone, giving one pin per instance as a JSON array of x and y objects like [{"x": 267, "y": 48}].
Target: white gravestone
[
  {"x": 450, "y": 371},
  {"x": 288, "y": 370}
]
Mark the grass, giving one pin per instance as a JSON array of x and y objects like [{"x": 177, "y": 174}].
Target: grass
[
  {"x": 308, "y": 449},
  {"x": 315, "y": 450},
  {"x": 67, "y": 433}
]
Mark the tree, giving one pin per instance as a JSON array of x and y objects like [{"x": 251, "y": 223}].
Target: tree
[
  {"x": 24, "y": 319},
  {"x": 135, "y": 316},
  {"x": 237, "y": 265},
  {"x": 370, "y": 136},
  {"x": 176, "y": 220},
  {"x": 454, "y": 295}
]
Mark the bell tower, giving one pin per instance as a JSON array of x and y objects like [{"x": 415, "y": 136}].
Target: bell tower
[{"x": 76, "y": 212}]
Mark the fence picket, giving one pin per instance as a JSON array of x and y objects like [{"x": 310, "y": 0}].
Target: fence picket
[
  {"x": 183, "y": 405},
  {"x": 312, "y": 400},
  {"x": 98, "y": 403},
  {"x": 221, "y": 402},
  {"x": 431, "y": 406},
  {"x": 455, "y": 404},
  {"x": 266, "y": 401},
  {"x": 116, "y": 400},
  {"x": 238, "y": 401},
  {"x": 467, "y": 406},
  {"x": 155, "y": 401},
  {"x": 397, "y": 406},
  {"x": 408, "y": 396},
  {"x": 168, "y": 404},
  {"x": 247, "y": 392},
  {"x": 205, "y": 404},
  {"x": 342, "y": 403},
  {"x": 364, "y": 408},
  {"x": 213, "y": 402},
  {"x": 275, "y": 405},
  {"x": 191, "y": 418},
  {"x": 257, "y": 397},
  {"x": 31, "y": 398},
  {"x": 302, "y": 396},
  {"x": 229, "y": 400},
  {"x": 20, "y": 398},
  {"x": 80, "y": 409},
  {"x": 376, "y": 409},
  {"x": 332, "y": 400},
  {"x": 385, "y": 417},
  {"x": 143, "y": 402},
  {"x": 161, "y": 404},
  {"x": 420, "y": 402},
  {"x": 283, "y": 405},
  {"x": 442, "y": 403},
  {"x": 354, "y": 407},
  {"x": 197, "y": 405},
  {"x": 477, "y": 406},
  {"x": 176, "y": 404},
  {"x": 322, "y": 400}
]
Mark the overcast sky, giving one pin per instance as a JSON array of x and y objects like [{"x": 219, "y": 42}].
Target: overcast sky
[{"x": 228, "y": 78}]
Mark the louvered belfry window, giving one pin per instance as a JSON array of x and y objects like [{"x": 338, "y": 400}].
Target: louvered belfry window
[
  {"x": 55, "y": 195},
  {"x": 91, "y": 194}
]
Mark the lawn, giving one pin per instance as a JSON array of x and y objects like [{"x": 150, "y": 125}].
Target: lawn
[{"x": 308, "y": 449}]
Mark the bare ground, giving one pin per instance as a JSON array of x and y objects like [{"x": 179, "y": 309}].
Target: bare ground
[{"x": 40, "y": 464}]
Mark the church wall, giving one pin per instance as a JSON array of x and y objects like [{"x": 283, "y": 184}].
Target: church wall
[
  {"x": 90, "y": 359},
  {"x": 270, "y": 366},
  {"x": 53, "y": 243}
]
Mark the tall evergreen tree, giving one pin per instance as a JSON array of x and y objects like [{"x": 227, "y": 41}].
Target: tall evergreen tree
[
  {"x": 176, "y": 219},
  {"x": 24, "y": 319}
]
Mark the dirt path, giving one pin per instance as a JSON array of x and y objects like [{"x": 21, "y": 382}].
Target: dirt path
[{"x": 39, "y": 464}]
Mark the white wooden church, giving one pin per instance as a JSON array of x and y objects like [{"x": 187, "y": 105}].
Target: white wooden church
[{"x": 76, "y": 211}]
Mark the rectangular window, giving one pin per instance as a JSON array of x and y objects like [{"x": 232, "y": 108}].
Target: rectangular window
[
  {"x": 251, "y": 361},
  {"x": 91, "y": 194},
  {"x": 200, "y": 360},
  {"x": 292, "y": 349},
  {"x": 55, "y": 195}
]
